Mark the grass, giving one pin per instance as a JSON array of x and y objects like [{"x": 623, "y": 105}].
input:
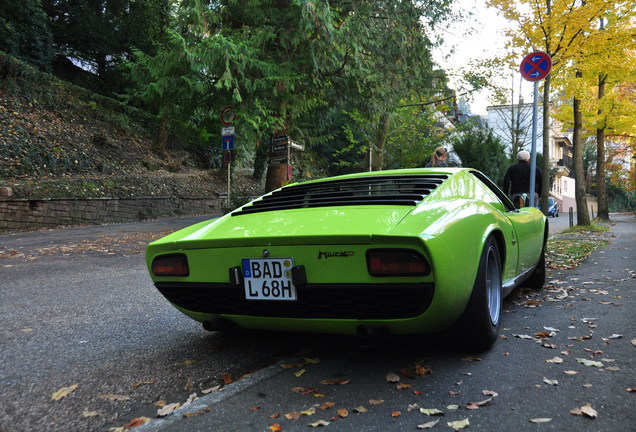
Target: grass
[{"x": 573, "y": 245}]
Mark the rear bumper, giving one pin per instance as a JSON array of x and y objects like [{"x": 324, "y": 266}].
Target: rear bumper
[{"x": 315, "y": 301}]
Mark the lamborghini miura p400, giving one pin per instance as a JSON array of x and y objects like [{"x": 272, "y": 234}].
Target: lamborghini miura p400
[{"x": 396, "y": 252}]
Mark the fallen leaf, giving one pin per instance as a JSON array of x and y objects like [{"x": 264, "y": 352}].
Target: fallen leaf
[
  {"x": 360, "y": 409},
  {"x": 542, "y": 335},
  {"x": 396, "y": 414},
  {"x": 428, "y": 425},
  {"x": 540, "y": 420},
  {"x": 376, "y": 401},
  {"x": 615, "y": 336},
  {"x": 392, "y": 378},
  {"x": 188, "y": 386},
  {"x": 489, "y": 393},
  {"x": 586, "y": 410},
  {"x": 342, "y": 412},
  {"x": 197, "y": 413},
  {"x": 227, "y": 378},
  {"x": 326, "y": 405},
  {"x": 570, "y": 372},
  {"x": 459, "y": 424},
  {"x": 412, "y": 407},
  {"x": 555, "y": 360},
  {"x": 299, "y": 373},
  {"x": 292, "y": 416},
  {"x": 63, "y": 392},
  {"x": 408, "y": 373},
  {"x": 168, "y": 409},
  {"x": 634, "y": 342},
  {"x": 319, "y": 423},
  {"x": 275, "y": 416},
  {"x": 588, "y": 385},
  {"x": 137, "y": 421},
  {"x": 160, "y": 403},
  {"x": 191, "y": 399},
  {"x": 551, "y": 382},
  {"x": 90, "y": 414},
  {"x": 115, "y": 397},
  {"x": 276, "y": 427},
  {"x": 335, "y": 382},
  {"x": 431, "y": 411},
  {"x": 452, "y": 407},
  {"x": 256, "y": 408},
  {"x": 308, "y": 412},
  {"x": 211, "y": 389},
  {"x": 402, "y": 386},
  {"x": 551, "y": 329},
  {"x": 140, "y": 383},
  {"x": 471, "y": 359},
  {"x": 417, "y": 392},
  {"x": 587, "y": 362},
  {"x": 477, "y": 405},
  {"x": 423, "y": 370},
  {"x": 303, "y": 390},
  {"x": 523, "y": 336}
]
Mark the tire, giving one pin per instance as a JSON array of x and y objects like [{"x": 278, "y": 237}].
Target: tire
[
  {"x": 537, "y": 278},
  {"x": 479, "y": 324}
]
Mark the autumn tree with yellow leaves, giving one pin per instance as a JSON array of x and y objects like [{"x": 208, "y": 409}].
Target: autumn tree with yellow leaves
[{"x": 570, "y": 32}]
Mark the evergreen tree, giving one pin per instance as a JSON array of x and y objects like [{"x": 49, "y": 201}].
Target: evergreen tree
[{"x": 24, "y": 32}]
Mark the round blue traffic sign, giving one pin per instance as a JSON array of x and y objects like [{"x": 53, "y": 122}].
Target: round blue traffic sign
[{"x": 536, "y": 66}]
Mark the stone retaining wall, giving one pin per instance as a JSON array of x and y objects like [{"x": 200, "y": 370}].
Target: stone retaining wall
[{"x": 25, "y": 213}]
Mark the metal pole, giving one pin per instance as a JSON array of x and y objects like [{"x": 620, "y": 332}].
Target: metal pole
[
  {"x": 533, "y": 153},
  {"x": 229, "y": 166}
]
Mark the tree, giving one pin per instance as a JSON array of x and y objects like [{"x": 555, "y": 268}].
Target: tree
[
  {"x": 99, "y": 34},
  {"x": 479, "y": 148},
  {"x": 604, "y": 68},
  {"x": 25, "y": 34},
  {"x": 559, "y": 28}
]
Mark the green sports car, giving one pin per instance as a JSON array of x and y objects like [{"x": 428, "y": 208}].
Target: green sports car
[{"x": 386, "y": 252}]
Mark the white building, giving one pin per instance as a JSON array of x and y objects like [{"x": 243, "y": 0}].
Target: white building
[{"x": 513, "y": 125}]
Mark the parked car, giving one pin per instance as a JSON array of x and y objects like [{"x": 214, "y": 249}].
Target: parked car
[
  {"x": 553, "y": 207},
  {"x": 390, "y": 252}
]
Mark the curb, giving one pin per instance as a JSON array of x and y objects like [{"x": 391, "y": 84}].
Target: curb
[{"x": 207, "y": 401}]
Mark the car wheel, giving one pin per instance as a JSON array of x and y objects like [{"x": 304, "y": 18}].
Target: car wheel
[
  {"x": 479, "y": 324},
  {"x": 537, "y": 278}
]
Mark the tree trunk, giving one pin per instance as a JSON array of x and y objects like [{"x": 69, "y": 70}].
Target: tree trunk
[
  {"x": 582, "y": 215},
  {"x": 601, "y": 190},
  {"x": 545, "y": 167},
  {"x": 380, "y": 141}
]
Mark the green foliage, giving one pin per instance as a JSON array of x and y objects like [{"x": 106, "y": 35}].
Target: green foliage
[
  {"x": 479, "y": 148},
  {"x": 24, "y": 32},
  {"x": 620, "y": 200}
]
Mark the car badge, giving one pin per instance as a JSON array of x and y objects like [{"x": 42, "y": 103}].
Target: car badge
[
  {"x": 339, "y": 254},
  {"x": 265, "y": 253}
]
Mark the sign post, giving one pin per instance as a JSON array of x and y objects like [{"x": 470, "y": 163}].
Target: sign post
[
  {"x": 535, "y": 67},
  {"x": 227, "y": 141}
]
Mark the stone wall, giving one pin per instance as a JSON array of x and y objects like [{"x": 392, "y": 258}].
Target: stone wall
[{"x": 24, "y": 213}]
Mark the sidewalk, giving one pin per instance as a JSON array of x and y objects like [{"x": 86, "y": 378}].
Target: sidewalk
[{"x": 589, "y": 310}]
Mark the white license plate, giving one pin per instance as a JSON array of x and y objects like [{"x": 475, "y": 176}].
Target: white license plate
[{"x": 268, "y": 279}]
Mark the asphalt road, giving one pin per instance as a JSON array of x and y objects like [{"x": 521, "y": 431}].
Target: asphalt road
[{"x": 77, "y": 307}]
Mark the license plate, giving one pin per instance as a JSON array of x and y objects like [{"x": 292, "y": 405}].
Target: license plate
[{"x": 268, "y": 279}]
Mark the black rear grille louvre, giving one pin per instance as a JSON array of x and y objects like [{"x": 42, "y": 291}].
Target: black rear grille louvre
[
  {"x": 327, "y": 301},
  {"x": 407, "y": 190}
]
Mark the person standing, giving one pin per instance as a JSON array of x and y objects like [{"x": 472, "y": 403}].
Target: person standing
[
  {"x": 516, "y": 182},
  {"x": 438, "y": 159}
]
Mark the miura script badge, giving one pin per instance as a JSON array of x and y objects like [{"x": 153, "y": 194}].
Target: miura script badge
[{"x": 339, "y": 254}]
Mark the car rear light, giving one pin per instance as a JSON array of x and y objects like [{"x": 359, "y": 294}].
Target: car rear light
[
  {"x": 170, "y": 265},
  {"x": 396, "y": 262}
]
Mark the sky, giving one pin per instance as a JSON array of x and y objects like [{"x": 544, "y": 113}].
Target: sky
[{"x": 477, "y": 37}]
